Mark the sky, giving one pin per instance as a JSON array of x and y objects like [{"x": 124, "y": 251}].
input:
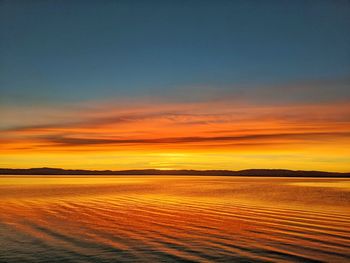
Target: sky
[{"x": 175, "y": 84}]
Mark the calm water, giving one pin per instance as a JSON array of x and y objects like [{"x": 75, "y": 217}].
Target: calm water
[{"x": 174, "y": 219}]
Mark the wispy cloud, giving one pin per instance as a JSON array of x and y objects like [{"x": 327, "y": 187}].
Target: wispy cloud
[
  {"x": 306, "y": 136},
  {"x": 182, "y": 125}
]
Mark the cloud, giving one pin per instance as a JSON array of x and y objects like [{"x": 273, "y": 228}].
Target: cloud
[
  {"x": 181, "y": 125},
  {"x": 257, "y": 138}
]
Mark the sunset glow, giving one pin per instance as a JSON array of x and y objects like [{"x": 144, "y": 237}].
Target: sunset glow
[
  {"x": 174, "y": 131},
  {"x": 204, "y": 135},
  {"x": 172, "y": 85}
]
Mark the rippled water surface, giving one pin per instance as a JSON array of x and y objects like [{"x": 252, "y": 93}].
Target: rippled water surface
[{"x": 174, "y": 219}]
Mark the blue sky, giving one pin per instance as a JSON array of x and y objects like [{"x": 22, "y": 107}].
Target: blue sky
[{"x": 59, "y": 51}]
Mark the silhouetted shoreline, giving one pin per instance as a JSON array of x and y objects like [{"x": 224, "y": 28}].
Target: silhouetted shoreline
[{"x": 247, "y": 172}]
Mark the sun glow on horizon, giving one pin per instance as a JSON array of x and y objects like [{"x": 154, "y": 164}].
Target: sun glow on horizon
[{"x": 201, "y": 136}]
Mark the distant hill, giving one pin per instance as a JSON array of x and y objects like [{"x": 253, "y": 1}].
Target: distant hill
[{"x": 248, "y": 172}]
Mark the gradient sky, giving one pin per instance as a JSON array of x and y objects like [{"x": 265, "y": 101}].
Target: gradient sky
[{"x": 175, "y": 84}]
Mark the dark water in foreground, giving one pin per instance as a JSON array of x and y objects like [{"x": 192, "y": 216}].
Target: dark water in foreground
[{"x": 174, "y": 219}]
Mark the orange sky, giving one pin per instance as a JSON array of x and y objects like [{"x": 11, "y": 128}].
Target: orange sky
[{"x": 203, "y": 135}]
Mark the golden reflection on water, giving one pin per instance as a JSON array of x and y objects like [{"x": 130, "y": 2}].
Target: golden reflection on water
[
  {"x": 345, "y": 185},
  {"x": 173, "y": 218}
]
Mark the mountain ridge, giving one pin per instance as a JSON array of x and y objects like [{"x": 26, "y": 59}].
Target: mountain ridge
[{"x": 245, "y": 172}]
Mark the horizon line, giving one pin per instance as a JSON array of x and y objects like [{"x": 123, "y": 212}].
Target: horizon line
[{"x": 155, "y": 171}]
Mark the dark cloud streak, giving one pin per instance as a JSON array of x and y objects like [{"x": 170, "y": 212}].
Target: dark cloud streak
[{"x": 70, "y": 141}]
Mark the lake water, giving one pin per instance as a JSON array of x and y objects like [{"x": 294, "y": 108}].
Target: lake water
[{"x": 173, "y": 219}]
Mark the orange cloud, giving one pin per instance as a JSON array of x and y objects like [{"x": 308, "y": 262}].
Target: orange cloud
[{"x": 217, "y": 127}]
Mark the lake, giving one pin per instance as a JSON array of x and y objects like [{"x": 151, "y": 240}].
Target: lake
[{"x": 174, "y": 219}]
